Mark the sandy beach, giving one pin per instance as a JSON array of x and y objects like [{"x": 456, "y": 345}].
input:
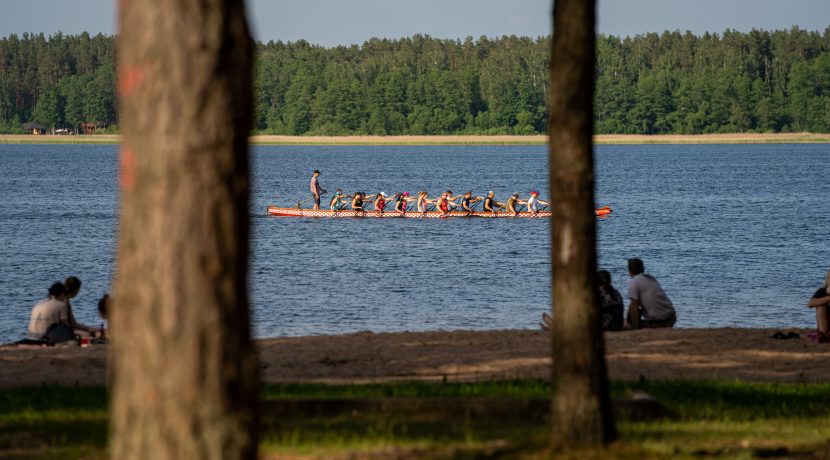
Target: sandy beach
[
  {"x": 366, "y": 357},
  {"x": 736, "y": 138}
]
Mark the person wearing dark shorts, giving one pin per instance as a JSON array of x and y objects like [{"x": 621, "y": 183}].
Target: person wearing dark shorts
[{"x": 316, "y": 190}]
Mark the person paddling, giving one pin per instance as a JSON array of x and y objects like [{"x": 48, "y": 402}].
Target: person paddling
[
  {"x": 467, "y": 199},
  {"x": 444, "y": 203},
  {"x": 357, "y": 201},
  {"x": 534, "y": 201},
  {"x": 451, "y": 200},
  {"x": 512, "y": 202},
  {"x": 424, "y": 201},
  {"x": 338, "y": 201},
  {"x": 380, "y": 202},
  {"x": 490, "y": 203},
  {"x": 403, "y": 200}
]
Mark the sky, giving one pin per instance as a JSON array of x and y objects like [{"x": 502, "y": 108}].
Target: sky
[{"x": 344, "y": 22}]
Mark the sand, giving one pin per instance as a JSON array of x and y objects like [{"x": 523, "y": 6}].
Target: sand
[
  {"x": 736, "y": 138},
  {"x": 745, "y": 354}
]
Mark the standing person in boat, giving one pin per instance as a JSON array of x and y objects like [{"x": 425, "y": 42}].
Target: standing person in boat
[
  {"x": 467, "y": 199},
  {"x": 380, "y": 202},
  {"x": 534, "y": 201},
  {"x": 490, "y": 203},
  {"x": 338, "y": 201},
  {"x": 316, "y": 190}
]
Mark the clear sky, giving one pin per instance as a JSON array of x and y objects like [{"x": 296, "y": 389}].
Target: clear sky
[{"x": 334, "y": 22}]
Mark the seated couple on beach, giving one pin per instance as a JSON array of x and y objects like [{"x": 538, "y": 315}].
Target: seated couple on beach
[
  {"x": 52, "y": 320},
  {"x": 649, "y": 306}
]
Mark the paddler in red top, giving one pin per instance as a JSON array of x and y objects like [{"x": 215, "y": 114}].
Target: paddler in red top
[
  {"x": 444, "y": 204},
  {"x": 380, "y": 202}
]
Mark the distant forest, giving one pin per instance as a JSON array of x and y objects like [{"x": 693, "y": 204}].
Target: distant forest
[{"x": 672, "y": 82}]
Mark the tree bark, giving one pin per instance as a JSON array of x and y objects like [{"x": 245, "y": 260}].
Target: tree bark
[
  {"x": 184, "y": 381},
  {"x": 580, "y": 406}
]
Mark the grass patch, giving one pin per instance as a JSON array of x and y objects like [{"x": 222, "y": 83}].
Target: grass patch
[{"x": 716, "y": 419}]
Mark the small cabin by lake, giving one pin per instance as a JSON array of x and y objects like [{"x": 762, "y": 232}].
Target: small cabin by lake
[{"x": 34, "y": 128}]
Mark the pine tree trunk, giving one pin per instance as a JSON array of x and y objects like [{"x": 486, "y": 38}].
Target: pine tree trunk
[
  {"x": 580, "y": 407},
  {"x": 183, "y": 368}
]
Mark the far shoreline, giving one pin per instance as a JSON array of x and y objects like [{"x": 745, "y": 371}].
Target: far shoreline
[{"x": 600, "y": 139}]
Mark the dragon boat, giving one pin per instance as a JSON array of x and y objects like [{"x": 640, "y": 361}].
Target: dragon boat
[{"x": 277, "y": 211}]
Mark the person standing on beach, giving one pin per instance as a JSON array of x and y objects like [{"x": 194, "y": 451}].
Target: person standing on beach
[
  {"x": 821, "y": 302},
  {"x": 316, "y": 190},
  {"x": 649, "y": 305}
]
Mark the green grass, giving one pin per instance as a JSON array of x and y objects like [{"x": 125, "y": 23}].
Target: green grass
[{"x": 715, "y": 419}]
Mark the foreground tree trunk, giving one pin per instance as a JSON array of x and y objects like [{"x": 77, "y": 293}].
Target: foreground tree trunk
[
  {"x": 580, "y": 408},
  {"x": 183, "y": 367}
]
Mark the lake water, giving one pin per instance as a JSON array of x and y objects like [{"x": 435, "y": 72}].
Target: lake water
[{"x": 737, "y": 235}]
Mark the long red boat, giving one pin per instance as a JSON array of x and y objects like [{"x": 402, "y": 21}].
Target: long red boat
[{"x": 277, "y": 211}]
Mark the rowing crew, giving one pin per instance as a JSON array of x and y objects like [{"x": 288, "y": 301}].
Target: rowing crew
[{"x": 444, "y": 203}]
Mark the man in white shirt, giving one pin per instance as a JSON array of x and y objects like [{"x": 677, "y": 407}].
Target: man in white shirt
[
  {"x": 48, "y": 313},
  {"x": 650, "y": 307}
]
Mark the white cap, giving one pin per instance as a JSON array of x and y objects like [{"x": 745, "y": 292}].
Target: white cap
[{"x": 383, "y": 193}]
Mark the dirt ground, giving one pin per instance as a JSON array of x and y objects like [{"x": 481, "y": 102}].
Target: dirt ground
[{"x": 746, "y": 354}]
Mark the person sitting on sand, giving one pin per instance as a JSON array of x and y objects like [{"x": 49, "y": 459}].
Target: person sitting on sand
[
  {"x": 49, "y": 322},
  {"x": 821, "y": 302},
  {"x": 103, "y": 312},
  {"x": 73, "y": 287},
  {"x": 490, "y": 203},
  {"x": 610, "y": 306},
  {"x": 338, "y": 201},
  {"x": 650, "y": 307},
  {"x": 610, "y": 303}
]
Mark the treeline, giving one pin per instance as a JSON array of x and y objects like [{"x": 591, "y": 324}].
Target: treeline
[
  {"x": 62, "y": 81},
  {"x": 648, "y": 84}
]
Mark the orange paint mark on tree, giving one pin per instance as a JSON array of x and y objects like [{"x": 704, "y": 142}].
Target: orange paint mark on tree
[
  {"x": 129, "y": 77},
  {"x": 127, "y": 168}
]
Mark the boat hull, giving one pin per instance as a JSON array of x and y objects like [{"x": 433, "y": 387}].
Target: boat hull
[{"x": 298, "y": 212}]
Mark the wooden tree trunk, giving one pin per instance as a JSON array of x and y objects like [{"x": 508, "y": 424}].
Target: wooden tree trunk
[
  {"x": 183, "y": 368},
  {"x": 581, "y": 407}
]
